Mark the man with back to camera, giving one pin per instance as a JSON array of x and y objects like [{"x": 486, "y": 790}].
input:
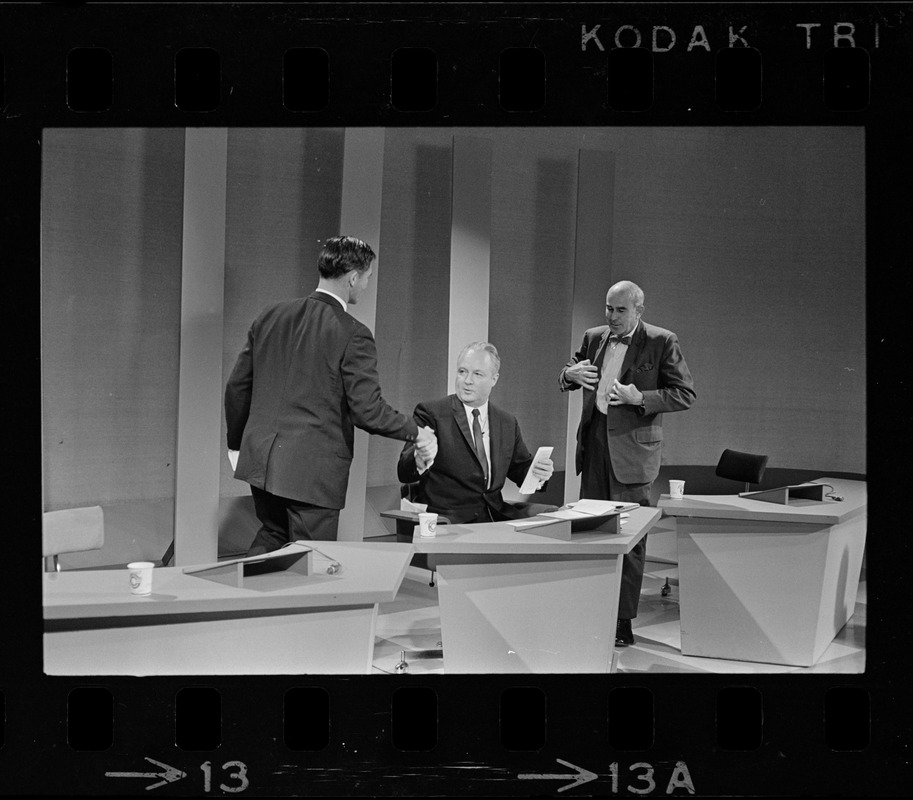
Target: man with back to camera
[
  {"x": 305, "y": 379},
  {"x": 633, "y": 372},
  {"x": 478, "y": 447}
]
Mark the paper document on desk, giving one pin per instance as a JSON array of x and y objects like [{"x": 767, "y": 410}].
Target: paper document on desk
[
  {"x": 542, "y": 526},
  {"x": 529, "y": 522},
  {"x": 530, "y": 482},
  {"x": 408, "y": 505},
  {"x": 590, "y": 508}
]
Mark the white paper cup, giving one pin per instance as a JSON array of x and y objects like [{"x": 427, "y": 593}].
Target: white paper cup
[
  {"x": 676, "y": 489},
  {"x": 427, "y": 524},
  {"x": 140, "y": 576}
]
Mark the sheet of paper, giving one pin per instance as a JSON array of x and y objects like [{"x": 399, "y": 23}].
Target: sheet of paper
[
  {"x": 599, "y": 507},
  {"x": 594, "y": 507},
  {"x": 531, "y": 483},
  {"x": 565, "y": 513},
  {"x": 408, "y": 505},
  {"x": 591, "y": 508},
  {"x": 531, "y": 522}
]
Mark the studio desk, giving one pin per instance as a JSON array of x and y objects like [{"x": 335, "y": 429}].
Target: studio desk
[
  {"x": 767, "y": 582},
  {"x": 517, "y": 601},
  {"x": 279, "y": 623}
]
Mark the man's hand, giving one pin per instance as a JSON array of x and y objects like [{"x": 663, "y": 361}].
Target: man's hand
[
  {"x": 582, "y": 373},
  {"x": 625, "y": 394},
  {"x": 543, "y": 470},
  {"x": 425, "y": 448}
]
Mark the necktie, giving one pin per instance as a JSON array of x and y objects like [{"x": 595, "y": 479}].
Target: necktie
[
  {"x": 480, "y": 445},
  {"x": 625, "y": 340}
]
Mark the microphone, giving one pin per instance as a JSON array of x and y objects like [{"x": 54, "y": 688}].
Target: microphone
[{"x": 334, "y": 566}]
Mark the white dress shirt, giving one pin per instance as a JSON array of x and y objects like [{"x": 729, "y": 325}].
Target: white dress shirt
[
  {"x": 612, "y": 358},
  {"x": 345, "y": 305}
]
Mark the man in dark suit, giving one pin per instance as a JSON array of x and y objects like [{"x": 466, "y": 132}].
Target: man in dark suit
[
  {"x": 633, "y": 372},
  {"x": 478, "y": 446},
  {"x": 305, "y": 379}
]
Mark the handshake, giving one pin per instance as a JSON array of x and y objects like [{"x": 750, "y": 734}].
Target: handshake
[{"x": 425, "y": 448}]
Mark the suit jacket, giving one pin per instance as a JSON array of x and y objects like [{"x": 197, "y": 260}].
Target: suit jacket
[
  {"x": 655, "y": 365},
  {"x": 455, "y": 485},
  {"x": 306, "y": 377}
]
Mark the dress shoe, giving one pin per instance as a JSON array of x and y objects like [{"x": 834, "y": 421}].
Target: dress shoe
[{"x": 623, "y": 634}]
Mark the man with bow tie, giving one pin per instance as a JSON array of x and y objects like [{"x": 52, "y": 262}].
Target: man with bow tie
[{"x": 632, "y": 372}]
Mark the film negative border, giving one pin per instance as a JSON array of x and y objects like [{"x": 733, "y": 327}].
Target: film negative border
[
  {"x": 750, "y": 63},
  {"x": 500, "y": 735}
]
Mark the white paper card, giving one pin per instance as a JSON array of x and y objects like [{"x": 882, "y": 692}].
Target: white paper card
[
  {"x": 590, "y": 508},
  {"x": 565, "y": 513},
  {"x": 530, "y": 522},
  {"x": 530, "y": 482},
  {"x": 597, "y": 508}
]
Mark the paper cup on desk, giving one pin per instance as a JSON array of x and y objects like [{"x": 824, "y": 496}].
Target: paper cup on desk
[
  {"x": 676, "y": 489},
  {"x": 427, "y": 524},
  {"x": 140, "y": 576}
]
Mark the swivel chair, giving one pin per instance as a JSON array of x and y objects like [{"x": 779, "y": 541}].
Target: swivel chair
[
  {"x": 745, "y": 467},
  {"x": 733, "y": 465},
  {"x": 71, "y": 530}
]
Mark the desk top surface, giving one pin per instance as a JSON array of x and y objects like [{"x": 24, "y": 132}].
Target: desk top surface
[
  {"x": 370, "y": 573},
  {"x": 500, "y": 537},
  {"x": 727, "y": 506}
]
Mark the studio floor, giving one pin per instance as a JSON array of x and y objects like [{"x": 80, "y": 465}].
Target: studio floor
[{"x": 411, "y": 624}]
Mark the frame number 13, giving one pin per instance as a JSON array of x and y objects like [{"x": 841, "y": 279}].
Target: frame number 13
[{"x": 238, "y": 777}]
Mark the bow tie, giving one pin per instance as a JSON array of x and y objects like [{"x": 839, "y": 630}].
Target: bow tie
[{"x": 614, "y": 337}]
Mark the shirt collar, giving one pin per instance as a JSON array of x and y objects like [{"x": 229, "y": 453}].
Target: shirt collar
[
  {"x": 345, "y": 305},
  {"x": 483, "y": 411}
]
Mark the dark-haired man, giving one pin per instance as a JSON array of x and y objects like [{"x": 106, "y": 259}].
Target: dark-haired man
[{"x": 305, "y": 379}]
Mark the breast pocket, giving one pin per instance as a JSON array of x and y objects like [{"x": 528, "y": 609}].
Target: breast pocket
[{"x": 644, "y": 376}]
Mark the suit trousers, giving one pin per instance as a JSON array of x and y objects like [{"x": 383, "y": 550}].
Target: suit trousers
[
  {"x": 283, "y": 520},
  {"x": 598, "y": 482}
]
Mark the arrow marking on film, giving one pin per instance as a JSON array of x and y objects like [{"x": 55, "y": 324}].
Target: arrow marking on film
[
  {"x": 170, "y": 774},
  {"x": 582, "y": 776}
]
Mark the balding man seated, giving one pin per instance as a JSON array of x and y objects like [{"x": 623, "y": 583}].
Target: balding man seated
[{"x": 478, "y": 447}]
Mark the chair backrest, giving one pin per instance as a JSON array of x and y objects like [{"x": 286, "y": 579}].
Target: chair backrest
[
  {"x": 408, "y": 491},
  {"x": 744, "y": 467},
  {"x": 72, "y": 530}
]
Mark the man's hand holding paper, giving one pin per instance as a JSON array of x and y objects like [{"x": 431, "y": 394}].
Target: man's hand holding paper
[
  {"x": 542, "y": 470},
  {"x": 539, "y": 471}
]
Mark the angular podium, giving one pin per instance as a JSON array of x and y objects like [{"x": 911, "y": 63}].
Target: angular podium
[
  {"x": 277, "y": 623},
  {"x": 514, "y": 601},
  {"x": 765, "y": 581}
]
